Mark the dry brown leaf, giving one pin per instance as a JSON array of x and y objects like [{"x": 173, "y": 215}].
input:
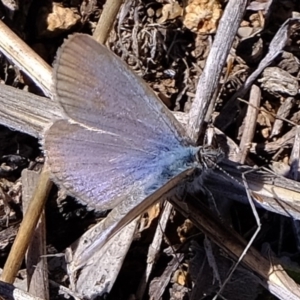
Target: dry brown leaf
[
  {"x": 151, "y": 214},
  {"x": 184, "y": 230},
  {"x": 52, "y": 20},
  {"x": 180, "y": 277},
  {"x": 170, "y": 11},
  {"x": 202, "y": 16}
]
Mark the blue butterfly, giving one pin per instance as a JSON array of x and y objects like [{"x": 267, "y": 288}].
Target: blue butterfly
[{"x": 117, "y": 139}]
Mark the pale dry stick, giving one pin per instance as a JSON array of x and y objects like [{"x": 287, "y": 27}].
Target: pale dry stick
[
  {"x": 286, "y": 202},
  {"x": 23, "y": 111},
  {"x": 249, "y": 123},
  {"x": 106, "y": 21},
  {"x": 216, "y": 59},
  {"x": 36, "y": 262},
  {"x": 28, "y": 225},
  {"x": 209, "y": 79},
  {"x": 282, "y": 113},
  {"x": 219, "y": 91},
  {"x": 26, "y": 112},
  {"x": 25, "y": 58}
]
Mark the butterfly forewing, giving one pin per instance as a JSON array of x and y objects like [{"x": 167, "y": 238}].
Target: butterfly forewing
[{"x": 96, "y": 89}]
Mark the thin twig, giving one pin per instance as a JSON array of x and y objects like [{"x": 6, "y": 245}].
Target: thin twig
[
  {"x": 216, "y": 59},
  {"x": 106, "y": 21}
]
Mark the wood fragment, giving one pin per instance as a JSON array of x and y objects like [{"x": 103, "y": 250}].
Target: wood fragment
[
  {"x": 158, "y": 285},
  {"x": 25, "y": 58},
  {"x": 249, "y": 123},
  {"x": 282, "y": 113}
]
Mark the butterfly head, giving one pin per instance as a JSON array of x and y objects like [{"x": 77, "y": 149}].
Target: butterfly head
[{"x": 208, "y": 157}]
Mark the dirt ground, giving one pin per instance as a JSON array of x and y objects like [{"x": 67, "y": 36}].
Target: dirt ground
[{"x": 167, "y": 43}]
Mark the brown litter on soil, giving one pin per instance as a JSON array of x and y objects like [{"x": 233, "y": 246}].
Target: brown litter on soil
[{"x": 168, "y": 47}]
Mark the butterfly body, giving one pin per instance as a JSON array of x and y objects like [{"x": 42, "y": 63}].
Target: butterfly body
[{"x": 171, "y": 164}]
